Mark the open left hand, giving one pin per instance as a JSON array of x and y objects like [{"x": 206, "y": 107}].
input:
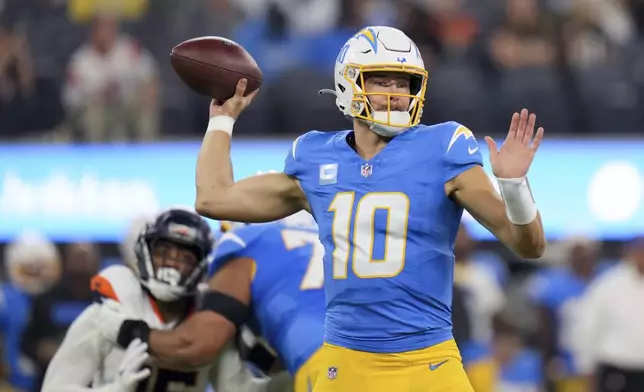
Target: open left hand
[{"x": 514, "y": 157}]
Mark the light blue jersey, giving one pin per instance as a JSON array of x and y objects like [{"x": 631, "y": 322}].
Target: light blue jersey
[
  {"x": 15, "y": 305},
  {"x": 287, "y": 299},
  {"x": 388, "y": 231}
]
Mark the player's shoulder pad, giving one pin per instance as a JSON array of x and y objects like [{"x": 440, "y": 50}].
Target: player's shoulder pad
[
  {"x": 309, "y": 142},
  {"x": 244, "y": 236},
  {"x": 239, "y": 243},
  {"x": 446, "y": 134},
  {"x": 116, "y": 282},
  {"x": 455, "y": 134}
]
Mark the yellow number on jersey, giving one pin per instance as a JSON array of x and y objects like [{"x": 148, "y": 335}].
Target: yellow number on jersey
[
  {"x": 314, "y": 275},
  {"x": 364, "y": 266}
]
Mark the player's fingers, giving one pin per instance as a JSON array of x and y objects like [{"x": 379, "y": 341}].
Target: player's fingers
[
  {"x": 514, "y": 124},
  {"x": 491, "y": 145},
  {"x": 523, "y": 122},
  {"x": 216, "y": 102},
  {"x": 537, "y": 139},
  {"x": 134, "y": 344},
  {"x": 529, "y": 131},
  {"x": 140, "y": 375},
  {"x": 134, "y": 362},
  {"x": 241, "y": 88},
  {"x": 140, "y": 351},
  {"x": 136, "y": 350}
]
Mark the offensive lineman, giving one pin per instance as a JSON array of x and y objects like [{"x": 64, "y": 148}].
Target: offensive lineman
[
  {"x": 171, "y": 260},
  {"x": 388, "y": 197}
]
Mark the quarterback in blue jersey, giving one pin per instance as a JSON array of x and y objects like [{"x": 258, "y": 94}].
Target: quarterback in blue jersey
[{"x": 388, "y": 196}]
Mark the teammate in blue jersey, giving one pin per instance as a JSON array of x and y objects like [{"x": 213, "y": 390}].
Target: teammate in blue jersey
[
  {"x": 33, "y": 265},
  {"x": 388, "y": 197},
  {"x": 275, "y": 271},
  {"x": 285, "y": 288}
]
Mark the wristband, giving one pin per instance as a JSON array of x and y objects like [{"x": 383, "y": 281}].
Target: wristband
[
  {"x": 133, "y": 329},
  {"x": 221, "y": 123},
  {"x": 519, "y": 203},
  {"x": 230, "y": 308}
]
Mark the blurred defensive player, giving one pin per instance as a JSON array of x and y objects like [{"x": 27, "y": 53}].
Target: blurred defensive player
[
  {"x": 273, "y": 273},
  {"x": 388, "y": 196},
  {"x": 161, "y": 288}
]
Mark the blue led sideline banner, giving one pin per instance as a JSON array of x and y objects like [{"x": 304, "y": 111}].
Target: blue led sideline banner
[{"x": 91, "y": 192}]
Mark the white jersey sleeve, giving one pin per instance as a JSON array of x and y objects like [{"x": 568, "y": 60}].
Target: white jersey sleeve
[{"x": 73, "y": 367}]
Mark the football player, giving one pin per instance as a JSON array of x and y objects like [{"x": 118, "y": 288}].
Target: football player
[
  {"x": 172, "y": 254},
  {"x": 269, "y": 277},
  {"x": 388, "y": 196},
  {"x": 33, "y": 267}
]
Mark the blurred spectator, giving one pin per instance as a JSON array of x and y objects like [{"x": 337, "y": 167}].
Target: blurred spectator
[
  {"x": 83, "y": 11},
  {"x": 518, "y": 368},
  {"x": 456, "y": 29},
  {"x": 586, "y": 44},
  {"x": 484, "y": 299},
  {"x": 461, "y": 322},
  {"x": 455, "y": 66},
  {"x": 610, "y": 335},
  {"x": 526, "y": 38},
  {"x": 112, "y": 91},
  {"x": 33, "y": 267},
  {"x": 24, "y": 100},
  {"x": 526, "y": 52},
  {"x": 56, "y": 309},
  {"x": 556, "y": 292}
]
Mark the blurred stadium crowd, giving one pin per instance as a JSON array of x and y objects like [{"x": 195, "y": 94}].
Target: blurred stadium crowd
[
  {"x": 98, "y": 71},
  {"x": 71, "y": 69}
]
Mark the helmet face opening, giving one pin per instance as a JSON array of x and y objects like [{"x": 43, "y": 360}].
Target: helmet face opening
[
  {"x": 172, "y": 254},
  {"x": 361, "y": 107},
  {"x": 169, "y": 254}
]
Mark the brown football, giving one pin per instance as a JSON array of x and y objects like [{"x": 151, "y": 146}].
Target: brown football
[{"x": 212, "y": 66}]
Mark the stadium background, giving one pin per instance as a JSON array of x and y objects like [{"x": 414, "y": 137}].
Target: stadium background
[{"x": 87, "y": 145}]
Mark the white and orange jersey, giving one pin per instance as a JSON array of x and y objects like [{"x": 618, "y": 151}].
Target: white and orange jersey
[{"x": 86, "y": 358}]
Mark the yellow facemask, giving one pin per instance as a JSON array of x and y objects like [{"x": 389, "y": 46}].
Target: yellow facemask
[{"x": 361, "y": 108}]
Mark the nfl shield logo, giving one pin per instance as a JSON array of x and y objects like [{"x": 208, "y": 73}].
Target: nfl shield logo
[
  {"x": 333, "y": 373},
  {"x": 366, "y": 170}
]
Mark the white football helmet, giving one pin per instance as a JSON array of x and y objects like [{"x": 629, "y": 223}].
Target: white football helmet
[
  {"x": 379, "y": 49},
  {"x": 33, "y": 262}
]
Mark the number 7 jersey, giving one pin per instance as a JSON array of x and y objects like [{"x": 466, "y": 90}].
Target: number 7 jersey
[{"x": 388, "y": 230}]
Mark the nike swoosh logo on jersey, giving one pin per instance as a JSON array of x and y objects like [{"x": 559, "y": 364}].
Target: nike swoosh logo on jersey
[
  {"x": 437, "y": 365},
  {"x": 472, "y": 150}
]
